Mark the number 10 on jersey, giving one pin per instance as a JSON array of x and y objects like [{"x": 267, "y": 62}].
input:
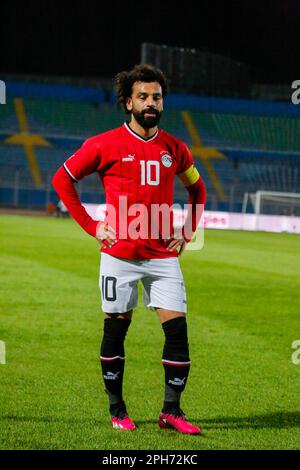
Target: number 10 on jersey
[{"x": 151, "y": 178}]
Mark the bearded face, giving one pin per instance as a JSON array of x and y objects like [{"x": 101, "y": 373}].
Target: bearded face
[
  {"x": 146, "y": 104},
  {"x": 147, "y": 118}
]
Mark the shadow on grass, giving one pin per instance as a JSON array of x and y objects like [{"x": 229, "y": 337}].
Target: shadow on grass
[{"x": 276, "y": 420}]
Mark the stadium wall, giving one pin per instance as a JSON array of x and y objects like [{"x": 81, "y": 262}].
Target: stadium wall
[{"x": 174, "y": 101}]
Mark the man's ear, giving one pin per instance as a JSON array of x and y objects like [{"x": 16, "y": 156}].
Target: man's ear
[{"x": 128, "y": 103}]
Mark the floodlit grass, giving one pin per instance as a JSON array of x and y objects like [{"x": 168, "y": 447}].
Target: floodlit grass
[{"x": 243, "y": 315}]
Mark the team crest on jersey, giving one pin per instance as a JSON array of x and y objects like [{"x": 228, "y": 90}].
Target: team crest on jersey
[{"x": 166, "y": 160}]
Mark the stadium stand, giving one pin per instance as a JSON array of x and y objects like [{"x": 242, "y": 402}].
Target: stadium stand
[{"x": 239, "y": 146}]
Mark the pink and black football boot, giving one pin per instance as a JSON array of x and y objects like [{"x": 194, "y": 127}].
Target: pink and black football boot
[
  {"x": 124, "y": 423},
  {"x": 177, "y": 421},
  {"x": 120, "y": 419}
]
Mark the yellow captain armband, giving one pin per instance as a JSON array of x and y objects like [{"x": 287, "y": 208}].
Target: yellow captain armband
[{"x": 190, "y": 176}]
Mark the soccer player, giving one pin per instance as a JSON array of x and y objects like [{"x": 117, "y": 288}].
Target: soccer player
[{"x": 137, "y": 164}]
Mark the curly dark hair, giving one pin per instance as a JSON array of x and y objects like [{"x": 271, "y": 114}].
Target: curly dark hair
[{"x": 124, "y": 81}]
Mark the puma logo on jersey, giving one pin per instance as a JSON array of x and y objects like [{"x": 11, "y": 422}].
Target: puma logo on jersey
[{"x": 130, "y": 158}]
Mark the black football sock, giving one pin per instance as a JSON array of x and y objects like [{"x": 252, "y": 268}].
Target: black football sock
[
  {"x": 117, "y": 409},
  {"x": 171, "y": 395},
  {"x": 113, "y": 361},
  {"x": 176, "y": 362}
]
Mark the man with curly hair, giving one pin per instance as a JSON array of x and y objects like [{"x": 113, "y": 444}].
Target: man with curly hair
[{"x": 137, "y": 164}]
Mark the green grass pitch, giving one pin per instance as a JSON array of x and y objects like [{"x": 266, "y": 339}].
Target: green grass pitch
[{"x": 243, "y": 316}]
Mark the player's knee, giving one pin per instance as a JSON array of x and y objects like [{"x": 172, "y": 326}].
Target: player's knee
[
  {"x": 114, "y": 334},
  {"x": 176, "y": 345}
]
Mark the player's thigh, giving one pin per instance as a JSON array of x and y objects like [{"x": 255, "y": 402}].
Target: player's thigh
[
  {"x": 164, "y": 286},
  {"x": 119, "y": 316},
  {"x": 166, "y": 314},
  {"x": 118, "y": 285}
]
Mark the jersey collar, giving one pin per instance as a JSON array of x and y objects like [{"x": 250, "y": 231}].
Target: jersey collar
[{"x": 138, "y": 136}]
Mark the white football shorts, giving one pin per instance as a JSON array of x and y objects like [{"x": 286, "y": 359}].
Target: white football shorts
[{"x": 162, "y": 280}]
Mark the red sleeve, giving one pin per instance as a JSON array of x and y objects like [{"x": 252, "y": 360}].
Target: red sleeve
[
  {"x": 84, "y": 162},
  {"x": 66, "y": 190},
  {"x": 196, "y": 202}
]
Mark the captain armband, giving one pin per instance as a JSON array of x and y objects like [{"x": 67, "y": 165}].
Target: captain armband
[{"x": 190, "y": 176}]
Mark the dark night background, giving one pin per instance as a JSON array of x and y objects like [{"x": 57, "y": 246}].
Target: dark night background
[{"x": 83, "y": 40}]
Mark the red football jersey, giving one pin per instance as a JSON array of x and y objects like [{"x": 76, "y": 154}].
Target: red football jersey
[{"x": 137, "y": 172}]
